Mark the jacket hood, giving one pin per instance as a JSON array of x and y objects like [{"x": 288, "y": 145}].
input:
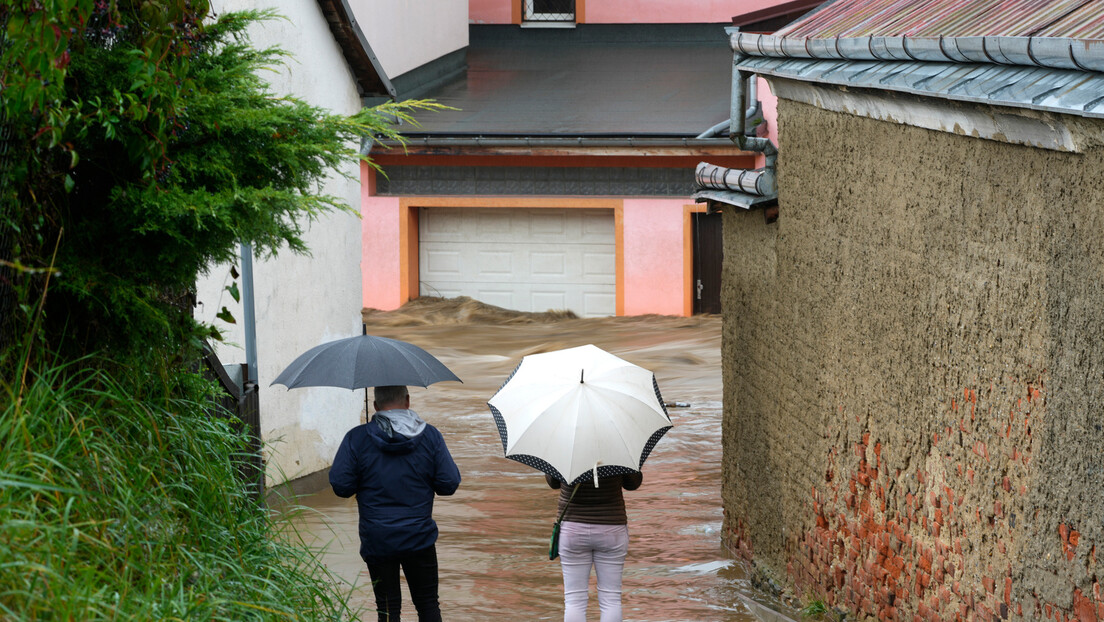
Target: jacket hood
[{"x": 396, "y": 430}]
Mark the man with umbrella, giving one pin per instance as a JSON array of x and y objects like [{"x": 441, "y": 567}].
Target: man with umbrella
[{"x": 395, "y": 464}]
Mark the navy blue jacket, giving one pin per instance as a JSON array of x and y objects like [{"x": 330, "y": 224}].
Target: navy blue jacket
[{"x": 394, "y": 480}]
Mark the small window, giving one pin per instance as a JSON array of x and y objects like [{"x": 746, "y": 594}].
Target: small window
[{"x": 548, "y": 11}]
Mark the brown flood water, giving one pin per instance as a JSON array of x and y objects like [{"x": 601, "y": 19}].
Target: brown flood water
[{"x": 494, "y": 530}]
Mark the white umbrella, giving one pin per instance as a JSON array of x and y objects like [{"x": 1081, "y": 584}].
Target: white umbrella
[{"x": 579, "y": 413}]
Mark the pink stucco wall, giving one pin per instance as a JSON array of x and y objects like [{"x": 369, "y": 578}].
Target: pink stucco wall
[
  {"x": 668, "y": 11},
  {"x": 653, "y": 236},
  {"x": 631, "y": 11},
  {"x": 489, "y": 11},
  {"x": 380, "y": 259}
]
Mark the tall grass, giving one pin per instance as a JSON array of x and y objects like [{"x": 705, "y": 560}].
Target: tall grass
[{"x": 120, "y": 500}]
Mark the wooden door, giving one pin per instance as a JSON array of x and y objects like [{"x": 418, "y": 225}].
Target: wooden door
[{"x": 708, "y": 258}]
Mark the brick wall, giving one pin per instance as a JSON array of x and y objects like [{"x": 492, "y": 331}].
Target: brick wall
[{"x": 914, "y": 374}]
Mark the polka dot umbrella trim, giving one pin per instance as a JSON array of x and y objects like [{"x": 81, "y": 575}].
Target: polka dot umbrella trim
[{"x": 579, "y": 414}]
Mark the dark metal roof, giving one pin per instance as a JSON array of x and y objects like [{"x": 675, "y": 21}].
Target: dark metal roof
[
  {"x": 773, "y": 17},
  {"x": 643, "y": 81}
]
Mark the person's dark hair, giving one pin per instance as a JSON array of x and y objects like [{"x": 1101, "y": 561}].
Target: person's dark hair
[{"x": 386, "y": 396}]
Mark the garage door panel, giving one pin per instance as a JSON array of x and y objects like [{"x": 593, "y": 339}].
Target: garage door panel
[
  {"x": 593, "y": 303},
  {"x": 494, "y": 226},
  {"x": 523, "y": 259},
  {"x": 428, "y": 290},
  {"x": 496, "y": 297},
  {"x": 443, "y": 263},
  {"x": 494, "y": 264},
  {"x": 548, "y": 265},
  {"x": 599, "y": 267},
  {"x": 548, "y": 301},
  {"x": 596, "y": 228},
  {"x": 444, "y": 226},
  {"x": 548, "y": 223}
]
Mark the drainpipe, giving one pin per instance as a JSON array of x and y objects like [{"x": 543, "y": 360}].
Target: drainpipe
[
  {"x": 250, "y": 320},
  {"x": 754, "y": 110},
  {"x": 766, "y": 175}
]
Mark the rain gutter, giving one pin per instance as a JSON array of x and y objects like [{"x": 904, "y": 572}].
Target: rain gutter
[
  {"x": 762, "y": 181},
  {"x": 545, "y": 141},
  {"x": 1050, "y": 52},
  {"x": 740, "y": 187}
]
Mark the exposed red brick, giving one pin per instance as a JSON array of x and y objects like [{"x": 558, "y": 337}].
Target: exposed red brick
[{"x": 1083, "y": 607}]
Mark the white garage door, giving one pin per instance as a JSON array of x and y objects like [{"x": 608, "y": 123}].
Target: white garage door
[{"x": 521, "y": 259}]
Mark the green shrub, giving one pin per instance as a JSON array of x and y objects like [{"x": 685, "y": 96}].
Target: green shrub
[{"x": 118, "y": 502}]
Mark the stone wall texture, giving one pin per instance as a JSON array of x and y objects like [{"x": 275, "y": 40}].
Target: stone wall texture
[{"x": 914, "y": 374}]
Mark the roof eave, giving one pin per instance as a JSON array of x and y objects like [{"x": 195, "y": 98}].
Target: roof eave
[{"x": 372, "y": 81}]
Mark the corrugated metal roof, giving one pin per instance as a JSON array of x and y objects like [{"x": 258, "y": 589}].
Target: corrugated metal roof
[
  {"x": 1054, "y": 90},
  {"x": 1086, "y": 22},
  {"x": 1039, "y": 54},
  {"x": 1079, "y": 19}
]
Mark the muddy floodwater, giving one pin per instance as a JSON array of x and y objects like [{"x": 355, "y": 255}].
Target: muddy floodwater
[{"x": 494, "y": 530}]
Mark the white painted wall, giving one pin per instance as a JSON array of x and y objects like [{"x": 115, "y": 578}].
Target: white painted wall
[
  {"x": 300, "y": 301},
  {"x": 406, "y": 34}
]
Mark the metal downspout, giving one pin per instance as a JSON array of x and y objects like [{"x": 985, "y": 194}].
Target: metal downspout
[
  {"x": 754, "y": 110},
  {"x": 738, "y": 124}
]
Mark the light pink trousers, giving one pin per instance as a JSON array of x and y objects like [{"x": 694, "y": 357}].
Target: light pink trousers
[{"x": 602, "y": 547}]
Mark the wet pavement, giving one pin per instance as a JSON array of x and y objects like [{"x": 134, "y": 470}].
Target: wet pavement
[{"x": 494, "y": 530}]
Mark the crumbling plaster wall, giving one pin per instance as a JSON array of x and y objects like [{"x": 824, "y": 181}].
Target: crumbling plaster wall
[{"x": 914, "y": 374}]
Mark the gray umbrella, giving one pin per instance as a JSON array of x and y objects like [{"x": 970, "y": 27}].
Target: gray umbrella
[{"x": 362, "y": 362}]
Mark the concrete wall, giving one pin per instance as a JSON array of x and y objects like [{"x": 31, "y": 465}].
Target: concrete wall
[
  {"x": 405, "y": 35},
  {"x": 914, "y": 374},
  {"x": 300, "y": 301}
]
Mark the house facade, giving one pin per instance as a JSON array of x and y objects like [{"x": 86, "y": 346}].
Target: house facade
[
  {"x": 559, "y": 179},
  {"x": 913, "y": 349},
  {"x": 559, "y": 182},
  {"x": 300, "y": 301}
]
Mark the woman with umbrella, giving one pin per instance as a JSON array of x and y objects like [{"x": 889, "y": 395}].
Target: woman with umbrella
[
  {"x": 588, "y": 420},
  {"x": 594, "y": 533}
]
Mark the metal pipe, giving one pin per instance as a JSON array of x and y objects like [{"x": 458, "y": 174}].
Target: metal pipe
[
  {"x": 737, "y": 180},
  {"x": 250, "y": 320},
  {"x": 738, "y": 123},
  {"x": 753, "y": 111}
]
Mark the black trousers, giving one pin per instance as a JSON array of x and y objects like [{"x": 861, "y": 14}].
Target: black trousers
[{"x": 420, "y": 570}]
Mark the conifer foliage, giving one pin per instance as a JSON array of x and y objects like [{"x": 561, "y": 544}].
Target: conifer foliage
[{"x": 141, "y": 145}]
